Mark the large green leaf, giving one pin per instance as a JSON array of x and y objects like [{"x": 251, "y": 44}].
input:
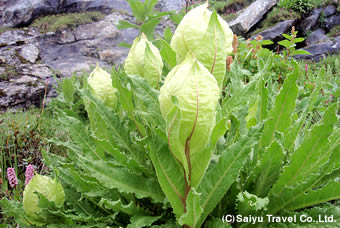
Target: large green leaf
[
  {"x": 279, "y": 117},
  {"x": 249, "y": 204},
  {"x": 263, "y": 104},
  {"x": 137, "y": 9},
  {"x": 218, "y": 179},
  {"x": 168, "y": 54},
  {"x": 124, "y": 181},
  {"x": 139, "y": 221},
  {"x": 290, "y": 135},
  {"x": 269, "y": 169},
  {"x": 170, "y": 175},
  {"x": 193, "y": 210},
  {"x": 330, "y": 191},
  {"x": 303, "y": 170},
  {"x": 118, "y": 205},
  {"x": 147, "y": 102}
]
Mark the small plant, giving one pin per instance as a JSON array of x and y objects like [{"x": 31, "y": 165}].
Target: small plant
[
  {"x": 290, "y": 43},
  {"x": 146, "y": 18},
  {"x": 301, "y": 6},
  {"x": 231, "y": 131}
]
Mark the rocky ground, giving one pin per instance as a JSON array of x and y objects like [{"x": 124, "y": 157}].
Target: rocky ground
[{"x": 29, "y": 59}]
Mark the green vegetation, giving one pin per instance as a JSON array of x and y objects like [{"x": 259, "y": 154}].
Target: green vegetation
[
  {"x": 5, "y": 29},
  {"x": 188, "y": 151},
  {"x": 334, "y": 32},
  {"x": 23, "y": 136},
  {"x": 301, "y": 6},
  {"x": 54, "y": 23}
]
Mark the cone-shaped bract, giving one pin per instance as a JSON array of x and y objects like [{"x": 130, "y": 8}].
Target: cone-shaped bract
[
  {"x": 49, "y": 188},
  {"x": 206, "y": 35},
  {"x": 101, "y": 83},
  {"x": 145, "y": 61},
  {"x": 188, "y": 101}
]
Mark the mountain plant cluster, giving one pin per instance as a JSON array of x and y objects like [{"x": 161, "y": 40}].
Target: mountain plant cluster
[{"x": 196, "y": 125}]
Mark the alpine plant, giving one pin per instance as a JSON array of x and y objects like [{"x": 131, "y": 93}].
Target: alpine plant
[
  {"x": 188, "y": 101},
  {"x": 144, "y": 60},
  {"x": 208, "y": 37}
]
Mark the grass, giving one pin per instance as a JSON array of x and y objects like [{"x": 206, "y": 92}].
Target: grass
[
  {"x": 334, "y": 32},
  {"x": 325, "y": 73},
  {"x": 5, "y": 29},
  {"x": 63, "y": 21},
  {"x": 23, "y": 135}
]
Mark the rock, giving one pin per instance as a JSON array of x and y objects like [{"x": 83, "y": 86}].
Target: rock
[
  {"x": 104, "y": 6},
  {"x": 20, "y": 95},
  {"x": 332, "y": 21},
  {"x": 29, "y": 52},
  {"x": 317, "y": 36},
  {"x": 310, "y": 22},
  {"x": 329, "y": 11},
  {"x": 274, "y": 33},
  {"x": 321, "y": 50},
  {"x": 28, "y": 59},
  {"x": 24, "y": 80},
  {"x": 26, "y": 88},
  {"x": 20, "y": 13},
  {"x": 77, "y": 50},
  {"x": 173, "y": 5},
  {"x": 17, "y": 37},
  {"x": 251, "y": 15}
]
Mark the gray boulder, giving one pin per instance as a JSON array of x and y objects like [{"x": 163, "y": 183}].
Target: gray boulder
[
  {"x": 23, "y": 80},
  {"x": 321, "y": 50},
  {"x": 105, "y": 6},
  {"x": 25, "y": 89},
  {"x": 329, "y": 11},
  {"x": 310, "y": 22},
  {"x": 274, "y": 33},
  {"x": 317, "y": 36},
  {"x": 332, "y": 21},
  {"x": 251, "y": 16},
  {"x": 19, "y": 13},
  {"x": 77, "y": 50},
  {"x": 173, "y": 5},
  {"x": 29, "y": 52}
]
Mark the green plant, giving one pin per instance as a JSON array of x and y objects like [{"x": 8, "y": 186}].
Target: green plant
[
  {"x": 55, "y": 23},
  {"x": 146, "y": 18},
  {"x": 301, "y": 6},
  {"x": 191, "y": 153},
  {"x": 101, "y": 85},
  {"x": 144, "y": 60},
  {"x": 290, "y": 43},
  {"x": 51, "y": 189},
  {"x": 334, "y": 32}
]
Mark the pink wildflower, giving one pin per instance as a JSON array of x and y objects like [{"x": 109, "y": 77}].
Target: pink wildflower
[
  {"x": 29, "y": 174},
  {"x": 12, "y": 178},
  {"x": 306, "y": 69}
]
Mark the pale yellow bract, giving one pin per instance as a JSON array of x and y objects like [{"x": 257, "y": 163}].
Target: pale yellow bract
[
  {"x": 101, "y": 83},
  {"x": 188, "y": 101},
  {"x": 144, "y": 60},
  {"x": 207, "y": 36}
]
